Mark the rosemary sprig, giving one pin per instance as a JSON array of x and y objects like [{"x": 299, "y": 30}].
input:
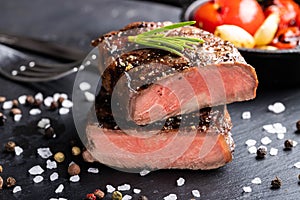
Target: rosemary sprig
[{"x": 158, "y": 38}]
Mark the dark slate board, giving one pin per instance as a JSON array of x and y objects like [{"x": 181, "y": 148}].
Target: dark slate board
[{"x": 75, "y": 23}]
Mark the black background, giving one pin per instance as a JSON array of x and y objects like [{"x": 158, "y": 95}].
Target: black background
[{"x": 75, "y": 23}]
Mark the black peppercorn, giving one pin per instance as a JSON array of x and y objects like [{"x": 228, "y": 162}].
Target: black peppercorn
[
  {"x": 276, "y": 183},
  {"x": 29, "y": 100},
  {"x": 60, "y": 100},
  {"x": 143, "y": 198},
  {"x": 15, "y": 103},
  {"x": 15, "y": 111},
  {"x": 10, "y": 181},
  {"x": 37, "y": 103},
  {"x": 288, "y": 144},
  {"x": 49, "y": 132},
  {"x": 1, "y": 182},
  {"x": 10, "y": 146},
  {"x": 2, "y": 119},
  {"x": 298, "y": 126},
  {"x": 261, "y": 153},
  {"x": 54, "y": 105}
]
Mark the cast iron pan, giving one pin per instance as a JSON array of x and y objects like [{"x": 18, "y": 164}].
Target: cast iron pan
[{"x": 275, "y": 69}]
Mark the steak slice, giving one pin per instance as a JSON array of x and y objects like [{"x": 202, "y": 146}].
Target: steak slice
[{"x": 178, "y": 143}]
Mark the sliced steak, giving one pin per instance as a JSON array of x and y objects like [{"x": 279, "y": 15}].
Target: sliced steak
[{"x": 148, "y": 81}]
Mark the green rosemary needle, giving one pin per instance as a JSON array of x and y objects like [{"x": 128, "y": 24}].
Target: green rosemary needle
[{"x": 158, "y": 38}]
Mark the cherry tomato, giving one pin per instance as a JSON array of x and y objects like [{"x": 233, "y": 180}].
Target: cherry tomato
[
  {"x": 287, "y": 38},
  {"x": 287, "y": 10},
  {"x": 246, "y": 14}
]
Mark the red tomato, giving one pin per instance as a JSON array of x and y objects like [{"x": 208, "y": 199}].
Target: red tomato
[
  {"x": 287, "y": 38},
  {"x": 246, "y": 14},
  {"x": 287, "y": 10}
]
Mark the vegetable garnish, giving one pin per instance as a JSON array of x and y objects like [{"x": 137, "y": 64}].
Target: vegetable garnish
[{"x": 158, "y": 38}]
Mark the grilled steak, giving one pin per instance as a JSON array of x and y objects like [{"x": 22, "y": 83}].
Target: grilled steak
[{"x": 160, "y": 84}]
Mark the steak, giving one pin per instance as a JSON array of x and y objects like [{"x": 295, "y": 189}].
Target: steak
[{"x": 153, "y": 84}]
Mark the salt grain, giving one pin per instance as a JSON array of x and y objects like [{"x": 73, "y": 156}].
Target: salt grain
[
  {"x": 51, "y": 164},
  {"x": 273, "y": 151},
  {"x": 89, "y": 96},
  {"x": 67, "y": 103},
  {"x": 18, "y": 150},
  {"x": 74, "y": 178},
  {"x": 127, "y": 197},
  {"x": 59, "y": 189},
  {"x": 247, "y": 189},
  {"x": 280, "y": 136},
  {"x": 144, "y": 172},
  {"x": 39, "y": 96},
  {"x": 63, "y": 95},
  {"x": 269, "y": 128},
  {"x": 56, "y": 97},
  {"x": 22, "y": 99},
  {"x": 124, "y": 187},
  {"x": 43, "y": 122},
  {"x": 64, "y": 111},
  {"x": 35, "y": 111},
  {"x": 35, "y": 170},
  {"x": 84, "y": 86},
  {"x": 137, "y": 191},
  {"x": 246, "y": 115},
  {"x": 294, "y": 143},
  {"x": 250, "y": 143},
  {"x": 110, "y": 188},
  {"x": 256, "y": 180},
  {"x": 196, "y": 193},
  {"x": 171, "y": 197},
  {"x": 54, "y": 176},
  {"x": 252, "y": 150},
  {"x": 93, "y": 170},
  {"x": 17, "y": 189},
  {"x": 17, "y": 117},
  {"x": 180, "y": 182},
  {"x": 44, "y": 152},
  {"x": 38, "y": 179},
  {"x": 7, "y": 105},
  {"x": 48, "y": 101},
  {"x": 266, "y": 140},
  {"x": 297, "y": 165},
  {"x": 277, "y": 108}
]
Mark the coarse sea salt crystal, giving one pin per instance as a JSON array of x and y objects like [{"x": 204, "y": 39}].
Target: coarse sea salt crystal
[
  {"x": 110, "y": 188},
  {"x": 74, "y": 178},
  {"x": 83, "y": 86},
  {"x": 247, "y": 189},
  {"x": 265, "y": 140},
  {"x": 51, "y": 164},
  {"x": 7, "y": 105},
  {"x": 127, "y": 197},
  {"x": 256, "y": 180},
  {"x": 22, "y": 99},
  {"x": 280, "y": 136},
  {"x": 18, "y": 150},
  {"x": 54, "y": 176},
  {"x": 61, "y": 198},
  {"x": 67, "y": 103},
  {"x": 44, "y": 152},
  {"x": 43, "y": 122},
  {"x": 64, "y": 111},
  {"x": 180, "y": 182},
  {"x": 252, "y": 150},
  {"x": 17, "y": 189},
  {"x": 93, "y": 170},
  {"x": 35, "y": 111},
  {"x": 246, "y": 115},
  {"x": 294, "y": 143},
  {"x": 277, "y": 108},
  {"x": 39, "y": 96},
  {"x": 273, "y": 151},
  {"x": 38, "y": 179},
  {"x": 269, "y": 128},
  {"x": 48, "y": 101},
  {"x": 59, "y": 189},
  {"x": 250, "y": 142},
  {"x": 137, "y": 191},
  {"x": 171, "y": 197},
  {"x": 196, "y": 193},
  {"x": 89, "y": 96},
  {"x": 56, "y": 97},
  {"x": 297, "y": 165},
  {"x": 144, "y": 172},
  {"x": 124, "y": 187},
  {"x": 17, "y": 117},
  {"x": 35, "y": 170}
]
